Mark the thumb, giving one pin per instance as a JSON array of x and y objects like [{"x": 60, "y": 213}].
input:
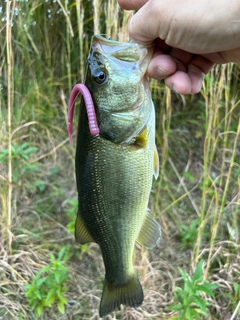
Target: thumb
[{"x": 144, "y": 25}]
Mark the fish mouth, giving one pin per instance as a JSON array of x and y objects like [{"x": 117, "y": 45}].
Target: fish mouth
[
  {"x": 105, "y": 39},
  {"x": 111, "y": 47}
]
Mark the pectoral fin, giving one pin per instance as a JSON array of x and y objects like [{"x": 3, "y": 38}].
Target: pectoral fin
[
  {"x": 150, "y": 233},
  {"x": 81, "y": 233},
  {"x": 156, "y": 163},
  {"x": 141, "y": 139}
]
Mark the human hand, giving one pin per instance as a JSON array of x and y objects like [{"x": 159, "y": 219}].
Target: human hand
[{"x": 190, "y": 38}]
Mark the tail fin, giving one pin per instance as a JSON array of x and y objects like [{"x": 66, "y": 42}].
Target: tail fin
[{"x": 129, "y": 294}]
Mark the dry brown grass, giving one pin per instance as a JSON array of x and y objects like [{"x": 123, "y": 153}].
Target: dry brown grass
[{"x": 198, "y": 142}]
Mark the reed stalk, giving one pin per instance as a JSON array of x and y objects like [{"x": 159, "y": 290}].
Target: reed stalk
[
  {"x": 112, "y": 19},
  {"x": 123, "y": 26},
  {"x": 198, "y": 142},
  {"x": 10, "y": 99},
  {"x": 96, "y": 16},
  {"x": 80, "y": 24}
]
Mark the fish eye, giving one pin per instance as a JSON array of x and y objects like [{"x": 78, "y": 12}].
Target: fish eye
[{"x": 99, "y": 76}]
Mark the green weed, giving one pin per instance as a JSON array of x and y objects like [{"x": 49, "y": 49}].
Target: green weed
[
  {"x": 191, "y": 304},
  {"x": 71, "y": 213},
  {"x": 234, "y": 298},
  {"x": 49, "y": 285},
  {"x": 20, "y": 156},
  {"x": 188, "y": 234},
  {"x": 43, "y": 51}
]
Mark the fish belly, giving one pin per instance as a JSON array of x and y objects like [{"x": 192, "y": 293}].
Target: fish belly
[{"x": 113, "y": 197}]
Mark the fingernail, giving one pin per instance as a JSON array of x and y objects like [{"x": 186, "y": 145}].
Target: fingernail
[
  {"x": 197, "y": 87},
  {"x": 162, "y": 72},
  {"x": 174, "y": 89}
]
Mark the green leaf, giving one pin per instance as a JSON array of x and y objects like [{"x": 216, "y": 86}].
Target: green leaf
[
  {"x": 13, "y": 148},
  {"x": 38, "y": 294},
  {"x": 197, "y": 313},
  {"x": 61, "y": 306},
  {"x": 180, "y": 294},
  {"x": 62, "y": 298},
  {"x": 52, "y": 300},
  {"x": 44, "y": 269},
  {"x": 39, "y": 309},
  {"x": 46, "y": 303},
  {"x": 236, "y": 288},
  {"x": 40, "y": 281},
  {"x": 200, "y": 303},
  {"x": 189, "y": 287},
  {"x": 189, "y": 313},
  {"x": 57, "y": 276},
  {"x": 24, "y": 156},
  {"x": 72, "y": 202},
  {"x": 188, "y": 176},
  {"x": 51, "y": 293},
  {"x": 52, "y": 257},
  {"x": 183, "y": 274},
  {"x": 198, "y": 273},
  {"x": 3, "y": 155},
  {"x": 64, "y": 289},
  {"x": 61, "y": 254},
  {"x": 31, "y": 150},
  {"x": 30, "y": 287},
  {"x": 40, "y": 184},
  {"x": 207, "y": 288},
  {"x": 176, "y": 307}
]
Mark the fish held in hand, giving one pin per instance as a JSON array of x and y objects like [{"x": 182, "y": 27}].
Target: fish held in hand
[{"x": 116, "y": 159}]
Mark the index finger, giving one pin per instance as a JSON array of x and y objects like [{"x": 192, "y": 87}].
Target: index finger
[
  {"x": 131, "y": 4},
  {"x": 143, "y": 26}
]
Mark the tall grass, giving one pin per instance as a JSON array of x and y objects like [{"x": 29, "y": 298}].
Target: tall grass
[
  {"x": 44, "y": 46},
  {"x": 10, "y": 88}
]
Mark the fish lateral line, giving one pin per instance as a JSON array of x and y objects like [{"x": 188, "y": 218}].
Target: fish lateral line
[{"x": 91, "y": 114}]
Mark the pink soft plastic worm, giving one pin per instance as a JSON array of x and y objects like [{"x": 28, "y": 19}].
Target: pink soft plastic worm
[{"x": 92, "y": 120}]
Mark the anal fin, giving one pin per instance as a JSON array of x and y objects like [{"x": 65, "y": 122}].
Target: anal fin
[
  {"x": 150, "y": 233},
  {"x": 81, "y": 233}
]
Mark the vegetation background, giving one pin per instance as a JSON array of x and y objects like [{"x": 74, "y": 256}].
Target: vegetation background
[{"x": 44, "y": 274}]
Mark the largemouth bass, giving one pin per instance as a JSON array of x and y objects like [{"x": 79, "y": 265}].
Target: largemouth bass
[{"x": 116, "y": 159}]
